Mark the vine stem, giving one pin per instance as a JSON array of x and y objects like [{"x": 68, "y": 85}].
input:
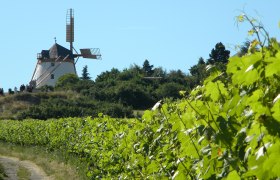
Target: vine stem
[
  {"x": 196, "y": 149},
  {"x": 193, "y": 108},
  {"x": 255, "y": 28},
  {"x": 217, "y": 125}
]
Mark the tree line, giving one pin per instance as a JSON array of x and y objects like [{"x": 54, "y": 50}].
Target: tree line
[{"x": 141, "y": 86}]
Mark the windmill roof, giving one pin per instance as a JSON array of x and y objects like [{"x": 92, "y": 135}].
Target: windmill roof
[{"x": 57, "y": 50}]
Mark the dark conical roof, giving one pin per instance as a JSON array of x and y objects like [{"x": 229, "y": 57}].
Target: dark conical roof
[{"x": 57, "y": 50}]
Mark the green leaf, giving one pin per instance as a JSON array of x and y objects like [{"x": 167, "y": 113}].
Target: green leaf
[
  {"x": 215, "y": 90},
  {"x": 272, "y": 67},
  {"x": 233, "y": 175},
  {"x": 251, "y": 32},
  {"x": 240, "y": 18},
  {"x": 152, "y": 167},
  {"x": 247, "y": 154},
  {"x": 262, "y": 150},
  {"x": 276, "y": 111},
  {"x": 276, "y": 98}
]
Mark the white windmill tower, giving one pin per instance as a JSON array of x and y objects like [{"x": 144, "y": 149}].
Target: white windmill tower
[{"x": 58, "y": 60}]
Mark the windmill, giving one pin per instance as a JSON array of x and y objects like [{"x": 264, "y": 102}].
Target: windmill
[{"x": 58, "y": 60}]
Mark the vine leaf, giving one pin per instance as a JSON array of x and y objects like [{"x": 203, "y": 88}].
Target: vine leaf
[
  {"x": 273, "y": 66},
  {"x": 276, "y": 99},
  {"x": 247, "y": 153},
  {"x": 233, "y": 175},
  {"x": 262, "y": 150},
  {"x": 276, "y": 110}
]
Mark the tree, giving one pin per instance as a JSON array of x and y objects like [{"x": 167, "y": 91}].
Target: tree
[
  {"x": 1, "y": 92},
  {"x": 10, "y": 91},
  {"x": 244, "y": 48},
  {"x": 198, "y": 72},
  {"x": 159, "y": 72},
  {"x": 177, "y": 77},
  {"x": 66, "y": 82},
  {"x": 218, "y": 54},
  {"x": 108, "y": 75},
  {"x": 147, "y": 68},
  {"x": 85, "y": 74},
  {"x": 169, "y": 90},
  {"x": 201, "y": 60},
  {"x": 133, "y": 94},
  {"x": 22, "y": 88}
]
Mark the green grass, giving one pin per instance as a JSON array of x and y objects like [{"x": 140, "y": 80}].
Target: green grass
[{"x": 23, "y": 173}]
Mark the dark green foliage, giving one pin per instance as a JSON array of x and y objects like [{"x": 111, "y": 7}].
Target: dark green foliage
[
  {"x": 22, "y": 88},
  {"x": 57, "y": 104},
  {"x": 218, "y": 58},
  {"x": 244, "y": 48},
  {"x": 147, "y": 68},
  {"x": 131, "y": 94},
  {"x": 77, "y": 107},
  {"x": 177, "y": 77},
  {"x": 1, "y": 92},
  {"x": 132, "y": 87},
  {"x": 198, "y": 72},
  {"x": 66, "y": 82},
  {"x": 85, "y": 74},
  {"x": 170, "y": 90},
  {"x": 219, "y": 54},
  {"x": 10, "y": 91},
  {"x": 46, "y": 88}
]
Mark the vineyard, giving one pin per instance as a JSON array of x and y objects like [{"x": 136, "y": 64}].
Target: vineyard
[{"x": 227, "y": 128}]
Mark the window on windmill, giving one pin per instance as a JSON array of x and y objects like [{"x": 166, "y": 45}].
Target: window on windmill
[{"x": 52, "y": 76}]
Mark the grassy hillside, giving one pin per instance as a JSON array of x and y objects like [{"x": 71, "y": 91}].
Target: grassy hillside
[
  {"x": 44, "y": 105},
  {"x": 12, "y": 105}
]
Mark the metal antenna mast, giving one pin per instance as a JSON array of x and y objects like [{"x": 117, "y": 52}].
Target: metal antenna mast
[{"x": 70, "y": 28}]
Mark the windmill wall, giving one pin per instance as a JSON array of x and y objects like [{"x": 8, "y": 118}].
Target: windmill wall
[{"x": 47, "y": 73}]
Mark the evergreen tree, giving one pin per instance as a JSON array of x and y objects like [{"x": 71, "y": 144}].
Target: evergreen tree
[
  {"x": 10, "y": 91},
  {"x": 1, "y": 92},
  {"x": 201, "y": 61},
  {"x": 219, "y": 54},
  {"x": 85, "y": 74},
  {"x": 244, "y": 48},
  {"x": 198, "y": 72},
  {"x": 147, "y": 68},
  {"x": 22, "y": 88}
]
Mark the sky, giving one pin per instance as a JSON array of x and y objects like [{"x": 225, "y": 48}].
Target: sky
[{"x": 170, "y": 34}]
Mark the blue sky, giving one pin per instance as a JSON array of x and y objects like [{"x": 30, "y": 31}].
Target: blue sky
[{"x": 171, "y": 34}]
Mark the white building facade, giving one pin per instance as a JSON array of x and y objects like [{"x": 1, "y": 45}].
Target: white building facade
[{"x": 52, "y": 64}]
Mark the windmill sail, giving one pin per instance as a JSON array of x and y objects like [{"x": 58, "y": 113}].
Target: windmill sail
[{"x": 91, "y": 53}]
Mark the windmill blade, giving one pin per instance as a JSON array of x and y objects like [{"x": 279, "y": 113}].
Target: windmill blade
[
  {"x": 91, "y": 53},
  {"x": 76, "y": 60}
]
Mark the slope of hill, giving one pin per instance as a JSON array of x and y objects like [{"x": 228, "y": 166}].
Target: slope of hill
[{"x": 44, "y": 105}]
